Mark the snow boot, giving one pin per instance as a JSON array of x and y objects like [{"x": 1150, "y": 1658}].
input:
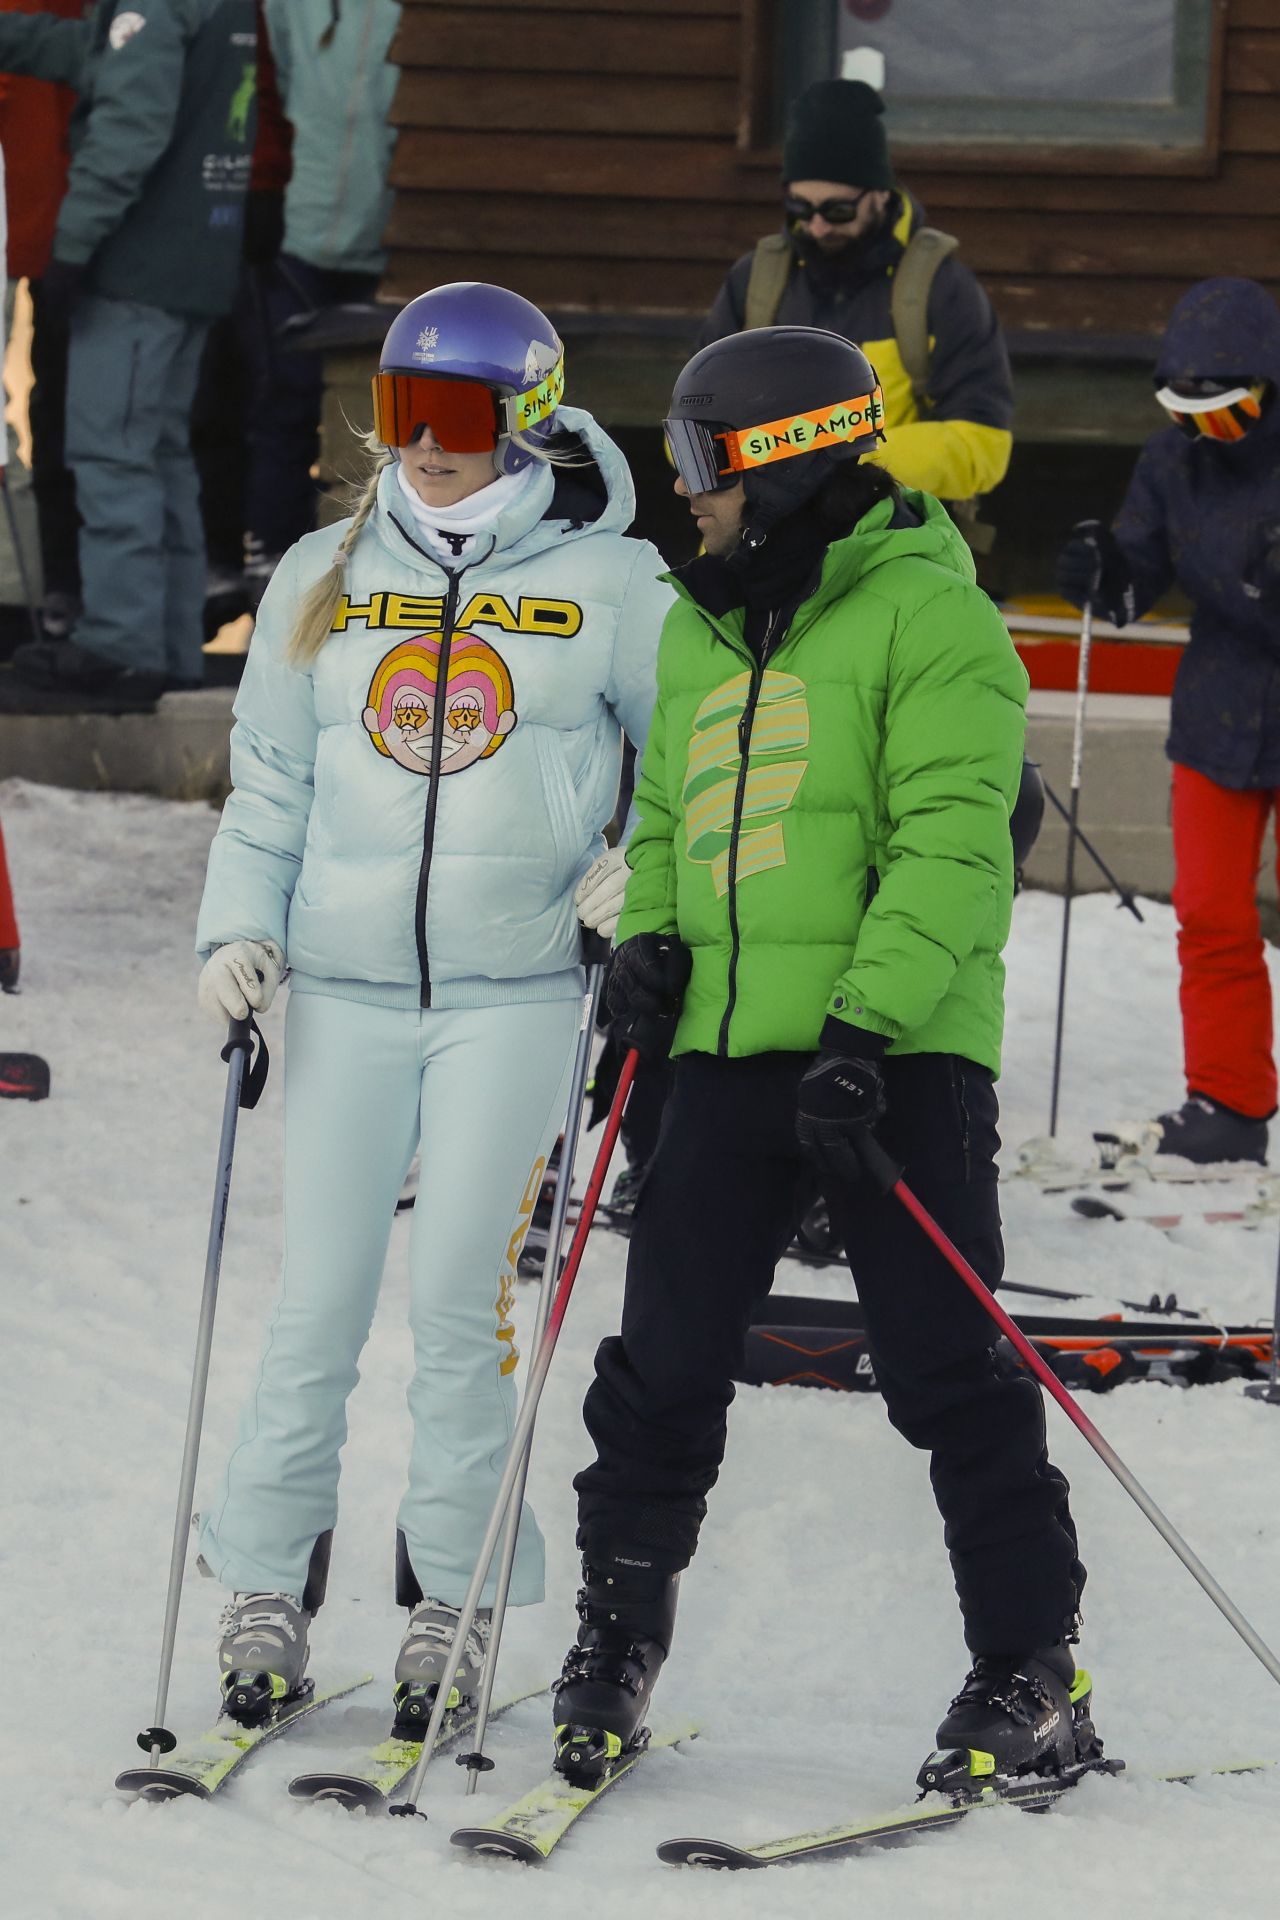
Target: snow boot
[
  {"x": 262, "y": 1654},
  {"x": 426, "y": 1654},
  {"x": 628, "y": 1611},
  {"x": 1205, "y": 1131},
  {"x": 1014, "y": 1716}
]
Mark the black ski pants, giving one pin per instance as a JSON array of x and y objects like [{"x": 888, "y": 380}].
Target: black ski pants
[{"x": 720, "y": 1205}]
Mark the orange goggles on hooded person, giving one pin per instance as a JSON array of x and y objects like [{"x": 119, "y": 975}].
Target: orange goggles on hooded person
[{"x": 1215, "y": 409}]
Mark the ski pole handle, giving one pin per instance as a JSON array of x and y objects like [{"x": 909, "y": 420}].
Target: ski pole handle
[{"x": 596, "y": 949}]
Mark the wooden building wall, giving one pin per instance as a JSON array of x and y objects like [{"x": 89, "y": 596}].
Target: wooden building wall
[{"x": 588, "y": 155}]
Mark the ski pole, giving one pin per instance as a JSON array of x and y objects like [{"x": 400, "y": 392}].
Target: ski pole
[
  {"x": 19, "y": 556},
  {"x": 243, "y": 1089},
  {"x": 888, "y": 1177},
  {"x": 1073, "y": 817},
  {"x": 476, "y": 1761},
  {"x": 524, "y": 1425},
  {"x": 1270, "y": 1392},
  {"x": 1126, "y": 898}
]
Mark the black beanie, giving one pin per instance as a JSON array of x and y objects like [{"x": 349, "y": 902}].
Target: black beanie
[{"x": 835, "y": 132}]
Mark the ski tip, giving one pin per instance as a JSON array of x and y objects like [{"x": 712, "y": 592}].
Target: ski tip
[
  {"x": 153, "y": 1783},
  {"x": 706, "y": 1853},
  {"x": 497, "y": 1845},
  {"x": 356, "y": 1795}
]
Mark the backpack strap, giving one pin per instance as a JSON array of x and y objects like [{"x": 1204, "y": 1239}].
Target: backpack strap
[
  {"x": 925, "y": 252},
  {"x": 770, "y": 271}
]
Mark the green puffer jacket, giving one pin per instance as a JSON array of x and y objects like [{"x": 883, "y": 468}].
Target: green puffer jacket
[{"x": 858, "y": 864}]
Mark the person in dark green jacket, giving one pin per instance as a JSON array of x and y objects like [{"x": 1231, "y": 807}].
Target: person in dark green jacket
[
  {"x": 821, "y": 884},
  {"x": 147, "y": 251}
]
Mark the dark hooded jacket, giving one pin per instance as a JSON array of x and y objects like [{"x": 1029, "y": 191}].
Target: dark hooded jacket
[{"x": 1206, "y": 515}]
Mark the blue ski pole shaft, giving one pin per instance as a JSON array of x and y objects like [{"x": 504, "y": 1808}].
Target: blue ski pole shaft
[
  {"x": 475, "y": 1761},
  {"x": 157, "y": 1739}
]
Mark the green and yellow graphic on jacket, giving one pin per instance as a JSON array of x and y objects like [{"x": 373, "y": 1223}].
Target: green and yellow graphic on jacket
[{"x": 858, "y": 862}]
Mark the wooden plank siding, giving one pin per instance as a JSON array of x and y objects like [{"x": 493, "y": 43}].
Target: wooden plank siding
[{"x": 590, "y": 155}]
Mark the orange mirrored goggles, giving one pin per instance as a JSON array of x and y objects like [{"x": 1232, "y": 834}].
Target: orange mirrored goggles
[
  {"x": 710, "y": 457},
  {"x": 463, "y": 415}
]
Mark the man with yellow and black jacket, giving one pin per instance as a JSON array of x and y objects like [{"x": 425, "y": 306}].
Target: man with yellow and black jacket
[{"x": 851, "y": 232}]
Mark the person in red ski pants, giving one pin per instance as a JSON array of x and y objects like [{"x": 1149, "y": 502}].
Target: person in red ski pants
[
  {"x": 1226, "y": 990},
  {"x": 1202, "y": 511}
]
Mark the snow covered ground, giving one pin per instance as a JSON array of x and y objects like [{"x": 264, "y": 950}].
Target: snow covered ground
[{"x": 822, "y": 1524}]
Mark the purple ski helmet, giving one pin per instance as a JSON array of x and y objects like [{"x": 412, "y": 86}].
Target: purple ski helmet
[{"x": 470, "y": 330}]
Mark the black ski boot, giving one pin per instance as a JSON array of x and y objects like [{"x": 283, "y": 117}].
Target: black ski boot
[
  {"x": 1205, "y": 1131},
  {"x": 628, "y": 1614},
  {"x": 619, "y": 1209},
  {"x": 1014, "y": 1717}
]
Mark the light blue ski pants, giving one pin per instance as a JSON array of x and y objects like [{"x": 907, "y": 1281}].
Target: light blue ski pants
[{"x": 485, "y": 1090}]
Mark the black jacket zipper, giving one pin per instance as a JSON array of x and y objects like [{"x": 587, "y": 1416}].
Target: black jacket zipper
[
  {"x": 745, "y": 725},
  {"x": 433, "y": 778}
]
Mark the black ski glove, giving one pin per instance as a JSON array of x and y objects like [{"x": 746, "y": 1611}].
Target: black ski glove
[
  {"x": 1092, "y": 570},
  {"x": 841, "y": 1096},
  {"x": 647, "y": 978}
]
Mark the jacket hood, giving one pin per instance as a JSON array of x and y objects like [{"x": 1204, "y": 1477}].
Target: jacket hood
[
  {"x": 921, "y": 529},
  {"x": 1222, "y": 327},
  {"x": 593, "y": 492}
]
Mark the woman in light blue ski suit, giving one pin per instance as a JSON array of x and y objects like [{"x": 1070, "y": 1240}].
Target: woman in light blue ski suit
[{"x": 426, "y": 750}]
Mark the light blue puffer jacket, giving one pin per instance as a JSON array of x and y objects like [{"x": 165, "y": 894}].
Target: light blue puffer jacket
[{"x": 327, "y": 847}]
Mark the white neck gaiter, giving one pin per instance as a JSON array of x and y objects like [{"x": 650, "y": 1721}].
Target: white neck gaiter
[{"x": 453, "y": 532}]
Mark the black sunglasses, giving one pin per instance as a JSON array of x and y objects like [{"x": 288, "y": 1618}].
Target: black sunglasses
[{"x": 836, "y": 213}]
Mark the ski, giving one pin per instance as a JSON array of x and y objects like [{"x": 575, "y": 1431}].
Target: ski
[
  {"x": 529, "y": 1830},
  {"x": 1118, "y": 1167},
  {"x": 203, "y": 1764},
  {"x": 372, "y": 1778},
  {"x": 1033, "y": 1794},
  {"x": 1092, "y": 1206}
]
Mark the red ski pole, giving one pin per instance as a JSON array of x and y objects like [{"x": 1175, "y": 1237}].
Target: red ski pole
[{"x": 881, "y": 1169}]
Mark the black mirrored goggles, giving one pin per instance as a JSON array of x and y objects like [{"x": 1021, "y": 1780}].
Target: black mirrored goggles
[
  {"x": 836, "y": 213},
  {"x": 710, "y": 457}
]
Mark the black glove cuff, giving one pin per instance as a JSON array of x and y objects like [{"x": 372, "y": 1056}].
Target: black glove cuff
[{"x": 859, "y": 1043}]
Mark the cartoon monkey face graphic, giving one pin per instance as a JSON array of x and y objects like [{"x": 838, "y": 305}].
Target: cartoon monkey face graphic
[{"x": 479, "y": 704}]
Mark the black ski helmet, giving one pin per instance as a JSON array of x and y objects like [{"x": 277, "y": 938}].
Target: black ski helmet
[{"x": 777, "y": 408}]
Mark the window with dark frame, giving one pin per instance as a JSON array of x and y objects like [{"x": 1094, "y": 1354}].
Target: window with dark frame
[{"x": 1006, "y": 74}]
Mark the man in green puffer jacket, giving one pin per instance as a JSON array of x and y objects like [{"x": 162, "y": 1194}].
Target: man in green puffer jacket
[{"x": 821, "y": 886}]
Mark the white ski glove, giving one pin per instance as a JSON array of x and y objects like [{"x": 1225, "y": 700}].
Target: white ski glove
[
  {"x": 600, "y": 892},
  {"x": 242, "y": 975}
]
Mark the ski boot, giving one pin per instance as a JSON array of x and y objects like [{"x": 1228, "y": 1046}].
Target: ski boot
[
  {"x": 1011, "y": 1718},
  {"x": 620, "y": 1208},
  {"x": 426, "y": 1654},
  {"x": 1208, "y": 1133},
  {"x": 262, "y": 1654},
  {"x": 628, "y": 1615}
]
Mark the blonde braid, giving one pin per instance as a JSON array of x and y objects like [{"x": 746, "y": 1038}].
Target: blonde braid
[{"x": 319, "y": 604}]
